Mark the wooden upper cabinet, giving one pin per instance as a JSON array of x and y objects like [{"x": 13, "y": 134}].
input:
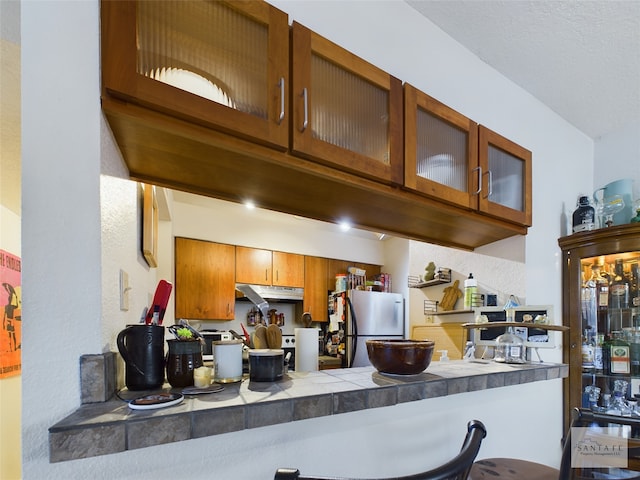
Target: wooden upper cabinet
[
  {"x": 506, "y": 178},
  {"x": 204, "y": 280},
  {"x": 315, "y": 288},
  {"x": 253, "y": 266},
  {"x": 346, "y": 112},
  {"x": 441, "y": 150},
  {"x": 224, "y": 65},
  {"x": 265, "y": 267},
  {"x": 288, "y": 269}
]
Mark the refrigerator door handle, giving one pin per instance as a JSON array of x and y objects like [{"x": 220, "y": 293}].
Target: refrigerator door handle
[{"x": 354, "y": 338}]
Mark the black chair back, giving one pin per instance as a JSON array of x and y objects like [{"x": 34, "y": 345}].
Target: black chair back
[{"x": 455, "y": 469}]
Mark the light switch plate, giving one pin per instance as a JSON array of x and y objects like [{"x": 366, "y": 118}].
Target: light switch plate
[{"x": 124, "y": 290}]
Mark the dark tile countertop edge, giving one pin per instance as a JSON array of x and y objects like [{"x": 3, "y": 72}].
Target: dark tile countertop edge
[{"x": 111, "y": 427}]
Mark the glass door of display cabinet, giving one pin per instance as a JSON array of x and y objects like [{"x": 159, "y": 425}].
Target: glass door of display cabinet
[
  {"x": 221, "y": 64},
  {"x": 506, "y": 178},
  {"x": 601, "y": 305},
  {"x": 347, "y": 113},
  {"x": 441, "y": 150}
]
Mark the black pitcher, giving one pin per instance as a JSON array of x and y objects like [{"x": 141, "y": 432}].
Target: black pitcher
[{"x": 142, "y": 348}]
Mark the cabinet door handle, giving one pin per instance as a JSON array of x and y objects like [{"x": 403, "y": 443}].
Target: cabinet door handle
[
  {"x": 266, "y": 274},
  {"x": 305, "y": 103},
  {"x": 479, "y": 169},
  {"x": 281, "y": 116},
  {"x": 490, "y": 183},
  {"x": 228, "y": 308}
]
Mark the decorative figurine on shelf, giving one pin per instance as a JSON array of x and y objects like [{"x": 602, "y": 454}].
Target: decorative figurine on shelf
[
  {"x": 451, "y": 296},
  {"x": 430, "y": 272}
]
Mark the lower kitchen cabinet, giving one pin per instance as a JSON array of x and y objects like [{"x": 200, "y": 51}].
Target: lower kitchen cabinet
[
  {"x": 204, "y": 280},
  {"x": 448, "y": 336}
]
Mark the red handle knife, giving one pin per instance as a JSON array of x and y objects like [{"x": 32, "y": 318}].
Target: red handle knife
[{"x": 160, "y": 301}]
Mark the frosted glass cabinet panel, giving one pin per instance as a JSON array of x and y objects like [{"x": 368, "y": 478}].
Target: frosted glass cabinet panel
[
  {"x": 506, "y": 178},
  {"x": 441, "y": 150},
  {"x": 221, "y": 64},
  {"x": 347, "y": 113}
]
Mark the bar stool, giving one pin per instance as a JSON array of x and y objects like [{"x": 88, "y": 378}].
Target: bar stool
[{"x": 514, "y": 469}]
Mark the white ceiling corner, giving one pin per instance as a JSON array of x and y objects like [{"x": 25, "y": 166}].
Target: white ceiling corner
[{"x": 579, "y": 57}]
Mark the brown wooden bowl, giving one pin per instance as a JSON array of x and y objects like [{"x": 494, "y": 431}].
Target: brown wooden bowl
[{"x": 400, "y": 357}]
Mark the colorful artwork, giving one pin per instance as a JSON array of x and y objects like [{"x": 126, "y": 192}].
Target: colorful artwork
[{"x": 11, "y": 311}]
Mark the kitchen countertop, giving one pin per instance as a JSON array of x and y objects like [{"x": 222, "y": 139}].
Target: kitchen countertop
[{"x": 111, "y": 427}]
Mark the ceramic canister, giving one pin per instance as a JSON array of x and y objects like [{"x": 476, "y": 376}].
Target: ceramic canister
[{"x": 227, "y": 361}]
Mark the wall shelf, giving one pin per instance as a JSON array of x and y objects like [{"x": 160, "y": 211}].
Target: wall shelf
[{"x": 443, "y": 275}]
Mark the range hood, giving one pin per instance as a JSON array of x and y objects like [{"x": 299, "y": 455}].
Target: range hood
[{"x": 273, "y": 293}]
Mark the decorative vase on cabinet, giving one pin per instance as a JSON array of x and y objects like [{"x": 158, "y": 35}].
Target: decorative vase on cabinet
[{"x": 604, "y": 338}]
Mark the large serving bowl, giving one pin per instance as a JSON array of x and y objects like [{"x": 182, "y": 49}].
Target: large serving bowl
[{"x": 400, "y": 357}]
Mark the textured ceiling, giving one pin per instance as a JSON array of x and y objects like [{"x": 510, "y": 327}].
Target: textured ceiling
[{"x": 581, "y": 58}]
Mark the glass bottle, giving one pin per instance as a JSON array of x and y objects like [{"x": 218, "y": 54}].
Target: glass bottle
[
  {"x": 616, "y": 355},
  {"x": 602, "y": 298},
  {"x": 619, "y": 287},
  {"x": 584, "y": 216},
  {"x": 510, "y": 347},
  {"x": 588, "y": 351},
  {"x": 619, "y": 298},
  {"x": 634, "y": 287},
  {"x": 597, "y": 354}
]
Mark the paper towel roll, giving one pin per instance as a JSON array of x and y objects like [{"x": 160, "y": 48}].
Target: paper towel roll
[{"x": 306, "y": 349}]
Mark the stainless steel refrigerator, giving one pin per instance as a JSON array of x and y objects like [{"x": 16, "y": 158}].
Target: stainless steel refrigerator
[{"x": 368, "y": 315}]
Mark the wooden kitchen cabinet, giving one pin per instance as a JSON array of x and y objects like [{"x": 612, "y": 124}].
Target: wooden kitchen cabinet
[
  {"x": 448, "y": 336},
  {"x": 224, "y": 65},
  {"x": 589, "y": 311},
  {"x": 506, "y": 178},
  {"x": 246, "y": 133},
  {"x": 450, "y": 158},
  {"x": 204, "y": 280},
  {"x": 346, "y": 112},
  {"x": 315, "y": 288},
  {"x": 265, "y": 267},
  {"x": 441, "y": 150}
]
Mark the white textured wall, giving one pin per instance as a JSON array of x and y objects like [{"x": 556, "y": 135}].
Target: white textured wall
[
  {"x": 68, "y": 278},
  {"x": 617, "y": 155}
]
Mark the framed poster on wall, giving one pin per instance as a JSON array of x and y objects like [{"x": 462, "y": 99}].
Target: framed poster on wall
[{"x": 11, "y": 304}]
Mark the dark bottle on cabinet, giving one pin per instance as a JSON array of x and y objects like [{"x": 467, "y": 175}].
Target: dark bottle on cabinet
[
  {"x": 634, "y": 287},
  {"x": 602, "y": 298},
  {"x": 619, "y": 287},
  {"x": 584, "y": 216}
]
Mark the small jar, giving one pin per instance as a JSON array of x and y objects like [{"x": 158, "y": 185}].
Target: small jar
[{"x": 510, "y": 348}]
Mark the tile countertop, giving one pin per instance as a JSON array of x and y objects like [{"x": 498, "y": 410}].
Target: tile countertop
[{"x": 111, "y": 427}]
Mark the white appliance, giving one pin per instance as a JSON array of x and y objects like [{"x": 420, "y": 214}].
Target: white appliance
[{"x": 367, "y": 315}]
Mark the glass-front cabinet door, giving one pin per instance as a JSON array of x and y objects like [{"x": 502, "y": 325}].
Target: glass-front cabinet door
[
  {"x": 441, "y": 150},
  {"x": 601, "y": 305},
  {"x": 347, "y": 113},
  {"x": 505, "y": 169},
  {"x": 221, "y": 64}
]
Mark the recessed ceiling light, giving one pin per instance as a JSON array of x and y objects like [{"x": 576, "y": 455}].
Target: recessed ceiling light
[
  {"x": 249, "y": 205},
  {"x": 345, "y": 226}
]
